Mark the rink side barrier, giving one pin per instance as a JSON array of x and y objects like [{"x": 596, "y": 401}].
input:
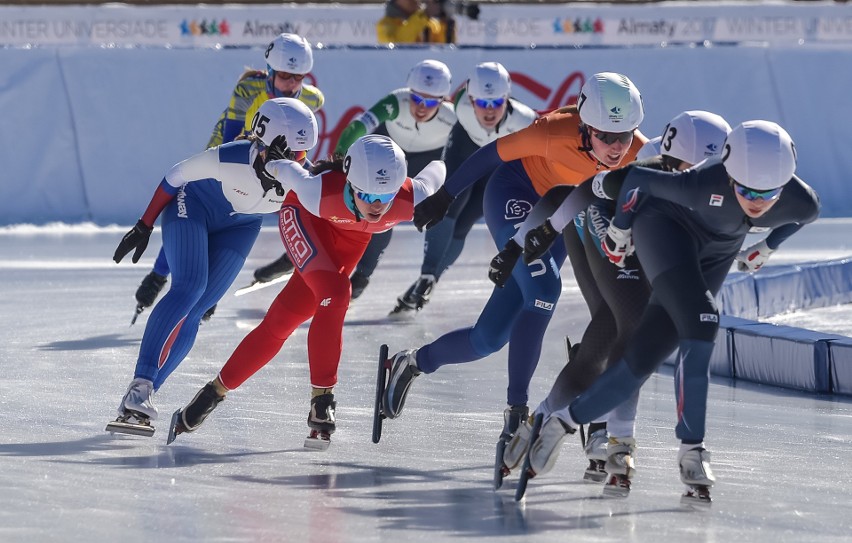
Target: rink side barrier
[
  {"x": 779, "y": 355},
  {"x": 115, "y": 131}
]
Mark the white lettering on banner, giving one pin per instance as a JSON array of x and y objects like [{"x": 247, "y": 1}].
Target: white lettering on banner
[
  {"x": 830, "y": 29},
  {"x": 654, "y": 28},
  {"x": 28, "y": 30},
  {"x": 763, "y": 28},
  {"x": 257, "y": 29}
]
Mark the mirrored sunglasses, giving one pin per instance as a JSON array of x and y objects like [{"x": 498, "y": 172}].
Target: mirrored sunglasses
[
  {"x": 611, "y": 137},
  {"x": 373, "y": 198},
  {"x": 751, "y": 195},
  {"x": 486, "y": 103},
  {"x": 426, "y": 102},
  {"x": 287, "y": 76}
]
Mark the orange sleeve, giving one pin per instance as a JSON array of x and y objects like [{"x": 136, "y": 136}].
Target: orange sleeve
[{"x": 531, "y": 141}]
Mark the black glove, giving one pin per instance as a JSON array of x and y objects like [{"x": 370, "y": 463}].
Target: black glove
[
  {"x": 538, "y": 241},
  {"x": 137, "y": 238},
  {"x": 278, "y": 150},
  {"x": 266, "y": 180},
  {"x": 430, "y": 211},
  {"x": 503, "y": 264}
]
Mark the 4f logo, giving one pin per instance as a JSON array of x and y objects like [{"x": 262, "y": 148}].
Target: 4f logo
[{"x": 326, "y": 302}]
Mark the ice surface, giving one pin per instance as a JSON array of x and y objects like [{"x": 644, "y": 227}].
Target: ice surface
[{"x": 67, "y": 353}]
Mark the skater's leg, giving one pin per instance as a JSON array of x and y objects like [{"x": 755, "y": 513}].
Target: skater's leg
[
  {"x": 161, "y": 264},
  {"x": 469, "y": 215}
]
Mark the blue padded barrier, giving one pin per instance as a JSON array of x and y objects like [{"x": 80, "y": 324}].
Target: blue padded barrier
[
  {"x": 828, "y": 283},
  {"x": 738, "y": 296},
  {"x": 780, "y": 289},
  {"x": 840, "y": 357},
  {"x": 783, "y": 356}
]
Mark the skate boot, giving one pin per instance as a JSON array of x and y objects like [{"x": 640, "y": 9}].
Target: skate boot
[
  {"x": 136, "y": 410},
  {"x": 321, "y": 421},
  {"x": 147, "y": 292},
  {"x": 403, "y": 370},
  {"x": 517, "y": 447},
  {"x": 513, "y": 418},
  {"x": 696, "y": 474},
  {"x": 619, "y": 466},
  {"x": 544, "y": 450},
  {"x": 207, "y": 314},
  {"x": 595, "y": 449},
  {"x": 279, "y": 268},
  {"x": 416, "y": 296},
  {"x": 359, "y": 283},
  {"x": 190, "y": 417}
]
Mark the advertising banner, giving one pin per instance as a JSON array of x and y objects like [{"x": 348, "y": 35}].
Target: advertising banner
[{"x": 496, "y": 25}]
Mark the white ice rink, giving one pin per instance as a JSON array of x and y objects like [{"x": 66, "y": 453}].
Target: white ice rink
[{"x": 782, "y": 459}]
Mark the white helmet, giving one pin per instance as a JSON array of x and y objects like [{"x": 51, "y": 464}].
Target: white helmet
[
  {"x": 375, "y": 164},
  {"x": 430, "y": 77},
  {"x": 759, "y": 155},
  {"x": 489, "y": 80},
  {"x": 649, "y": 149},
  {"x": 693, "y": 136},
  {"x": 288, "y": 53},
  {"x": 610, "y": 102},
  {"x": 288, "y": 117}
]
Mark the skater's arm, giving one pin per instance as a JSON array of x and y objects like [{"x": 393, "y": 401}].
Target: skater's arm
[
  {"x": 480, "y": 163},
  {"x": 429, "y": 180}
]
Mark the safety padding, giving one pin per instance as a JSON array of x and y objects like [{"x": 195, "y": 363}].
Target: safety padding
[
  {"x": 782, "y": 356},
  {"x": 722, "y": 359},
  {"x": 738, "y": 297},
  {"x": 840, "y": 358},
  {"x": 778, "y": 289}
]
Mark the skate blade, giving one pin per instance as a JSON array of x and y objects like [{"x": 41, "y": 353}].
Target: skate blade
[
  {"x": 381, "y": 381},
  {"x": 527, "y": 472},
  {"x": 136, "y": 313},
  {"x": 257, "y": 285},
  {"x": 318, "y": 443},
  {"x": 595, "y": 474},
  {"x": 175, "y": 427},
  {"x": 129, "y": 428},
  {"x": 698, "y": 495},
  {"x": 616, "y": 488},
  {"x": 501, "y": 471}
]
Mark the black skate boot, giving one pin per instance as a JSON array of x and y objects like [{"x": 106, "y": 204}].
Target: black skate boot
[
  {"x": 147, "y": 292},
  {"x": 321, "y": 422},
  {"x": 192, "y": 416},
  {"x": 279, "y": 268},
  {"x": 513, "y": 416},
  {"x": 403, "y": 371},
  {"x": 359, "y": 283},
  {"x": 415, "y": 297},
  {"x": 207, "y": 314}
]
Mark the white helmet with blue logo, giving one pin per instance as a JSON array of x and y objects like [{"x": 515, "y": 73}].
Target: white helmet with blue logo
[
  {"x": 430, "y": 77},
  {"x": 610, "y": 102},
  {"x": 374, "y": 164},
  {"x": 288, "y": 53},
  {"x": 489, "y": 80},
  {"x": 759, "y": 155},
  {"x": 288, "y": 117},
  {"x": 693, "y": 136}
]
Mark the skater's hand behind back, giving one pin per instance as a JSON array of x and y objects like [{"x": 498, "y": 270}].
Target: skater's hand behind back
[
  {"x": 538, "y": 241},
  {"x": 502, "y": 265},
  {"x": 430, "y": 211},
  {"x": 137, "y": 239}
]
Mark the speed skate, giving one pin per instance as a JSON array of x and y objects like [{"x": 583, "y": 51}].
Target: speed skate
[
  {"x": 381, "y": 382},
  {"x": 318, "y": 441},
  {"x": 131, "y": 423},
  {"x": 257, "y": 285}
]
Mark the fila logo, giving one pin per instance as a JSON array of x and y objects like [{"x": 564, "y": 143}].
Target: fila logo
[
  {"x": 326, "y": 302},
  {"x": 716, "y": 200},
  {"x": 547, "y": 306},
  {"x": 708, "y": 317}
]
